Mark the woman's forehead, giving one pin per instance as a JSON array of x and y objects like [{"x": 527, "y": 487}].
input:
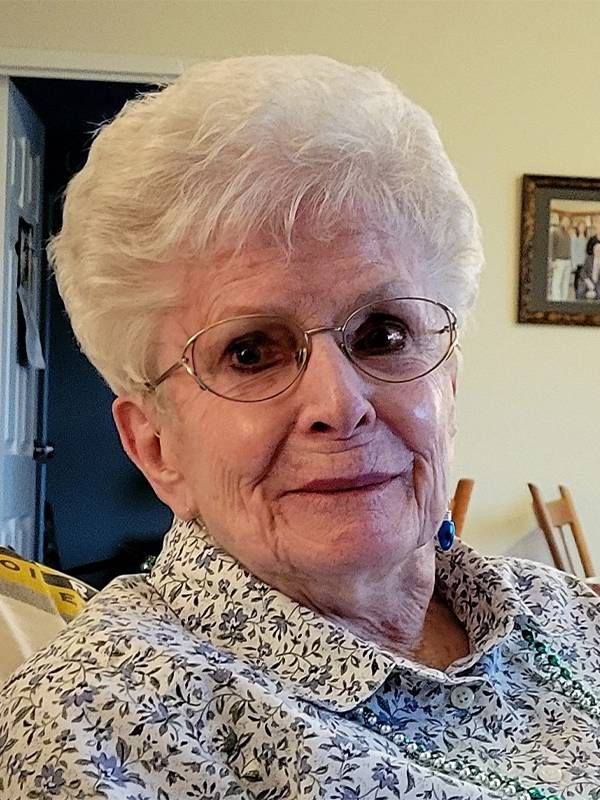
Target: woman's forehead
[{"x": 318, "y": 278}]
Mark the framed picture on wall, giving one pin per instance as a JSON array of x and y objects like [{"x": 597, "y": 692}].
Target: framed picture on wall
[{"x": 559, "y": 281}]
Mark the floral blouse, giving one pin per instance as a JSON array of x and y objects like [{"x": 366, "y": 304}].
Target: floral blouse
[{"x": 200, "y": 681}]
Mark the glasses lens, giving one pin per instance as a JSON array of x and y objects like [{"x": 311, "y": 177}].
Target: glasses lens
[
  {"x": 399, "y": 340},
  {"x": 250, "y": 358}
]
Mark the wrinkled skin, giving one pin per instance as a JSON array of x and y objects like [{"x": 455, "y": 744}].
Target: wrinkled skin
[{"x": 364, "y": 558}]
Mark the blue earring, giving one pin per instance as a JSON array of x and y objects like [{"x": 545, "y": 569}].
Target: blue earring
[{"x": 447, "y": 532}]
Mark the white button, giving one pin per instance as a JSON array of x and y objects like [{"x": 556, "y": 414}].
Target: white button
[
  {"x": 550, "y": 773},
  {"x": 462, "y": 697}
]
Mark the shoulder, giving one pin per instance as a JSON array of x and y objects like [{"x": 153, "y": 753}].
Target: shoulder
[
  {"x": 124, "y": 626},
  {"x": 518, "y": 591},
  {"x": 554, "y": 599},
  {"x": 516, "y": 586},
  {"x": 106, "y": 703},
  {"x": 526, "y": 572}
]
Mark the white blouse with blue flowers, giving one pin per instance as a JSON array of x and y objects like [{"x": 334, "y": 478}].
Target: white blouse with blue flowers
[{"x": 200, "y": 681}]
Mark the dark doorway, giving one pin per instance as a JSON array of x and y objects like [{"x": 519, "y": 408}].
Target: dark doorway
[{"x": 100, "y": 517}]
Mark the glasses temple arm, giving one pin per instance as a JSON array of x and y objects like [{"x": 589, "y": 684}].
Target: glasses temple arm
[{"x": 151, "y": 386}]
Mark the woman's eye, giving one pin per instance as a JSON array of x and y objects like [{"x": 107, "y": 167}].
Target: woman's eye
[
  {"x": 247, "y": 355},
  {"x": 255, "y": 352},
  {"x": 385, "y": 336}
]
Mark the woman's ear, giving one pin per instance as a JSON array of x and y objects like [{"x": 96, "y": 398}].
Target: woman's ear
[
  {"x": 453, "y": 366},
  {"x": 139, "y": 428},
  {"x": 454, "y": 375}
]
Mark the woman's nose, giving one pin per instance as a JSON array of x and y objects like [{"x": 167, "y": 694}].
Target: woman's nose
[{"x": 334, "y": 397}]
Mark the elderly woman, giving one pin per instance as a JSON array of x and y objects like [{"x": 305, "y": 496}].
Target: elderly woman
[{"x": 270, "y": 261}]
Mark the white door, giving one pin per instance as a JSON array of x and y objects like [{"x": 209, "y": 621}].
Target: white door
[{"x": 21, "y": 175}]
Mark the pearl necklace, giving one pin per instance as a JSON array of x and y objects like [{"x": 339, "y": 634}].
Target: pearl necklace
[{"x": 554, "y": 673}]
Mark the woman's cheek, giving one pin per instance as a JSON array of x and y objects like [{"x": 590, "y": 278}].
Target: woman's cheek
[
  {"x": 421, "y": 414},
  {"x": 428, "y": 430},
  {"x": 237, "y": 450}
]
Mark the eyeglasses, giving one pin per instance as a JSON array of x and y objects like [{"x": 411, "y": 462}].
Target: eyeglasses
[{"x": 260, "y": 356}]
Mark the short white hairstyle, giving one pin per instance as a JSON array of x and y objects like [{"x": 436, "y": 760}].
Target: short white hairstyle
[{"x": 239, "y": 147}]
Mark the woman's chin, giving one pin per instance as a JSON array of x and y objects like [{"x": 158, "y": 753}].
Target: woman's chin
[{"x": 350, "y": 544}]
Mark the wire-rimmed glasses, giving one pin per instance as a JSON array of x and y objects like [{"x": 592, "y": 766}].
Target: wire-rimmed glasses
[{"x": 259, "y": 356}]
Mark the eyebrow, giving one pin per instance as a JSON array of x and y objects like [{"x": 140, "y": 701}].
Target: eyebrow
[
  {"x": 392, "y": 288},
  {"x": 395, "y": 287}
]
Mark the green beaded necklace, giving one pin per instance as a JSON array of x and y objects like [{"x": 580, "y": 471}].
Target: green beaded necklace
[
  {"x": 559, "y": 676},
  {"x": 555, "y": 673}
]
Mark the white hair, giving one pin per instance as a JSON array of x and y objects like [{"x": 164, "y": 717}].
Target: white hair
[{"x": 244, "y": 146}]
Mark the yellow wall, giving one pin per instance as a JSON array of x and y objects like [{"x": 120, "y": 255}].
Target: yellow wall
[{"x": 514, "y": 88}]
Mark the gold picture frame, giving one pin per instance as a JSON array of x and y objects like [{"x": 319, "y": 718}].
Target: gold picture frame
[{"x": 559, "y": 277}]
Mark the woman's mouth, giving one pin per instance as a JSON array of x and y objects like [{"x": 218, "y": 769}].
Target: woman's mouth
[{"x": 355, "y": 483}]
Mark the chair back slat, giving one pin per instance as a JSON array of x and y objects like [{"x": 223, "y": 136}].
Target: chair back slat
[
  {"x": 567, "y": 552},
  {"x": 578, "y": 535},
  {"x": 460, "y": 502},
  {"x": 560, "y": 514},
  {"x": 553, "y": 517},
  {"x": 546, "y": 524}
]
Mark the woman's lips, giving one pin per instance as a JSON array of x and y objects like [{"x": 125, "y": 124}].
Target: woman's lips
[{"x": 365, "y": 481}]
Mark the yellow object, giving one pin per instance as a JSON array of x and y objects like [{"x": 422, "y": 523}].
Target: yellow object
[
  {"x": 20, "y": 578},
  {"x": 36, "y": 603}
]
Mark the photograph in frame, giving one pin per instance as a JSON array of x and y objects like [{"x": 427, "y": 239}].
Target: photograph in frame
[{"x": 560, "y": 251}]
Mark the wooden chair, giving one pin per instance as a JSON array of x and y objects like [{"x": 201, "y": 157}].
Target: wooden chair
[
  {"x": 552, "y": 517},
  {"x": 460, "y": 502}
]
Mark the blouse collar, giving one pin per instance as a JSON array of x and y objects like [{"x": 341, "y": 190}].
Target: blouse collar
[{"x": 217, "y": 599}]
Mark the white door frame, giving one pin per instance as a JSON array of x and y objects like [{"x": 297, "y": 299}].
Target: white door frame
[{"x": 19, "y": 62}]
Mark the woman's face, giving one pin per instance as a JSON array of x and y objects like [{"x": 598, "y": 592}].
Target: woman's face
[{"x": 247, "y": 468}]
